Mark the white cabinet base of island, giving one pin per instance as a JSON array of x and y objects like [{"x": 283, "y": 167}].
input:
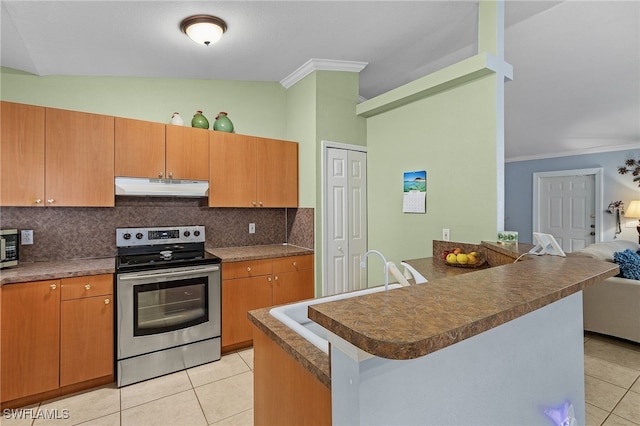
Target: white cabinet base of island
[{"x": 526, "y": 371}]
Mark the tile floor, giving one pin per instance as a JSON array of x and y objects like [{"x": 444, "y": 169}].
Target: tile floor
[{"x": 221, "y": 393}]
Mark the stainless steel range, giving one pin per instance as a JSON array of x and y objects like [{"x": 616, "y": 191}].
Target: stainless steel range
[{"x": 169, "y": 306}]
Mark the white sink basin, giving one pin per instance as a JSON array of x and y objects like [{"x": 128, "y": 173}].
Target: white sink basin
[{"x": 295, "y": 316}]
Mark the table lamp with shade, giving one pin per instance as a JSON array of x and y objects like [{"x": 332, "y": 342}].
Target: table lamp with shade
[{"x": 633, "y": 211}]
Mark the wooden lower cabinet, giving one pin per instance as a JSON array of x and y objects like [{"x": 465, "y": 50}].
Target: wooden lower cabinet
[
  {"x": 30, "y": 338},
  {"x": 57, "y": 337},
  {"x": 284, "y": 392},
  {"x": 86, "y": 329},
  {"x": 258, "y": 284}
]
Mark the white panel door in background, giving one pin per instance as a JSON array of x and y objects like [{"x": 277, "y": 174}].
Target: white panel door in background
[
  {"x": 345, "y": 220},
  {"x": 567, "y": 210}
]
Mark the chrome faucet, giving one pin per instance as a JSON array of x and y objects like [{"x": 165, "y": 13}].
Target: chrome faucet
[{"x": 363, "y": 264}]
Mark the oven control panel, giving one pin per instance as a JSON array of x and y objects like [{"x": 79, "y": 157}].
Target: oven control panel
[{"x": 126, "y": 237}]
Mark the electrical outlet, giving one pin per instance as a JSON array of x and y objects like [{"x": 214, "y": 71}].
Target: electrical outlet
[
  {"x": 252, "y": 228},
  {"x": 445, "y": 234},
  {"x": 26, "y": 237}
]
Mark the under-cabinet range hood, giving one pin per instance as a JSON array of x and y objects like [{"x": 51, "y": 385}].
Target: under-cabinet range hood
[{"x": 144, "y": 187}]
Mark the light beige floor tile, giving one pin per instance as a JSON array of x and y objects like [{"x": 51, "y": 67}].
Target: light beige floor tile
[
  {"x": 243, "y": 419},
  {"x": 19, "y": 416},
  {"x": 629, "y": 407},
  {"x": 602, "y": 394},
  {"x": 614, "y": 420},
  {"x": 610, "y": 372},
  {"x": 622, "y": 354},
  {"x": 595, "y": 415},
  {"x": 247, "y": 356},
  {"x": 229, "y": 365},
  {"x": 179, "y": 409},
  {"x": 83, "y": 406},
  {"x": 140, "y": 393},
  {"x": 227, "y": 397},
  {"x": 636, "y": 386},
  {"x": 110, "y": 420}
]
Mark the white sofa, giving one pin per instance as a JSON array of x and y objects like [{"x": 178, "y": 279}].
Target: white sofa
[{"x": 612, "y": 306}]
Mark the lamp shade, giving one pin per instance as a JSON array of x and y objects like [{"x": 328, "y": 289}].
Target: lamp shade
[
  {"x": 633, "y": 210},
  {"x": 203, "y": 29}
]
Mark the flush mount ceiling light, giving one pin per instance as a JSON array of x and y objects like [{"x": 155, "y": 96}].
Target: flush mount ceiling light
[{"x": 203, "y": 29}]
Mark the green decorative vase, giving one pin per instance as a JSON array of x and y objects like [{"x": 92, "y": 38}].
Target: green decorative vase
[
  {"x": 199, "y": 121},
  {"x": 222, "y": 123}
]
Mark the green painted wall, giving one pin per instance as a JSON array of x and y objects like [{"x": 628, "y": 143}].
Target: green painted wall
[
  {"x": 256, "y": 108},
  {"x": 452, "y": 136},
  {"x": 320, "y": 107}
]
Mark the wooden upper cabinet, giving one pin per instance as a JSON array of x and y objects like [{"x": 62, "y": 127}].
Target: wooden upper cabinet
[
  {"x": 232, "y": 181},
  {"x": 139, "y": 148},
  {"x": 79, "y": 161},
  {"x": 277, "y": 173},
  {"x": 187, "y": 153},
  {"x": 248, "y": 171},
  {"x": 155, "y": 150},
  {"x": 22, "y": 155}
]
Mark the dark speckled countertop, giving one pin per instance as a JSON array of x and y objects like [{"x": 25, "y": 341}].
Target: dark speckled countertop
[
  {"x": 414, "y": 321},
  {"x": 38, "y": 271},
  {"x": 53, "y": 270},
  {"x": 238, "y": 254},
  {"x": 454, "y": 305}
]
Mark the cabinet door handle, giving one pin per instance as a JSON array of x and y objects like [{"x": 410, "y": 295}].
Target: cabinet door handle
[
  {"x": 248, "y": 268},
  {"x": 38, "y": 201},
  {"x": 53, "y": 286},
  {"x": 50, "y": 200},
  {"x": 254, "y": 203},
  {"x": 160, "y": 174},
  {"x": 107, "y": 301},
  {"x": 170, "y": 175},
  {"x": 260, "y": 203},
  {"x": 275, "y": 278},
  {"x": 295, "y": 263},
  {"x": 269, "y": 279},
  {"x": 87, "y": 287}
]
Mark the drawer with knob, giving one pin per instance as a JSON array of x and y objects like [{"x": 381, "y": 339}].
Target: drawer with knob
[
  {"x": 87, "y": 286},
  {"x": 248, "y": 268},
  {"x": 292, "y": 263}
]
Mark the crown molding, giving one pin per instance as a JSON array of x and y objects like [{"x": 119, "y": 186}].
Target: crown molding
[
  {"x": 583, "y": 151},
  {"x": 321, "y": 65}
]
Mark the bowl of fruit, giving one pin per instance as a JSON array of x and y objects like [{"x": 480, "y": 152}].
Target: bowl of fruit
[{"x": 458, "y": 258}]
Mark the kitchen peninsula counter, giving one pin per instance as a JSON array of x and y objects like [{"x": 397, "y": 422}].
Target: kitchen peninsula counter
[
  {"x": 414, "y": 321},
  {"x": 456, "y": 303},
  {"x": 52, "y": 270}
]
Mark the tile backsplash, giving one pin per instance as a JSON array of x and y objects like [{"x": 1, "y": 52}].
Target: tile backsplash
[{"x": 89, "y": 232}]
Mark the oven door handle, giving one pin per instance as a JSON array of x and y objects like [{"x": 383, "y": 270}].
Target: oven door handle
[{"x": 150, "y": 274}]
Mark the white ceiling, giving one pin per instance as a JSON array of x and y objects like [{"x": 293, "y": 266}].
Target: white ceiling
[{"x": 576, "y": 84}]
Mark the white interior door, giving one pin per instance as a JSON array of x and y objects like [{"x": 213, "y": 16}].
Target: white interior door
[
  {"x": 344, "y": 219},
  {"x": 566, "y": 208}
]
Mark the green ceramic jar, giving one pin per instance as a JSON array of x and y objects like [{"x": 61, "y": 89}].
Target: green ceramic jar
[
  {"x": 199, "y": 121},
  {"x": 222, "y": 123}
]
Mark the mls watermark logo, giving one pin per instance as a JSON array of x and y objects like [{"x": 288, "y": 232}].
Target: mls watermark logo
[{"x": 36, "y": 413}]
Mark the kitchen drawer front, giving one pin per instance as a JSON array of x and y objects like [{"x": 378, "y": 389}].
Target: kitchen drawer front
[
  {"x": 249, "y": 268},
  {"x": 292, "y": 263},
  {"x": 88, "y": 286}
]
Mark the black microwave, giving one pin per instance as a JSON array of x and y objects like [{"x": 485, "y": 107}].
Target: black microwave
[{"x": 9, "y": 248}]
